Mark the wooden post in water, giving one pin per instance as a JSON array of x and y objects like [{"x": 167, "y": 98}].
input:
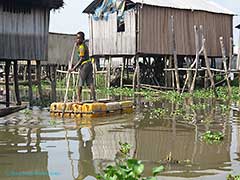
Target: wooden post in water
[
  {"x": 30, "y": 93},
  {"x": 208, "y": 66},
  {"x": 196, "y": 59},
  {"x": 138, "y": 73},
  {"x": 53, "y": 70},
  {"x": 109, "y": 72},
  {"x": 16, "y": 84},
  {"x": 38, "y": 73},
  {"x": 122, "y": 72},
  {"x": 175, "y": 54},
  {"x": 225, "y": 65},
  {"x": 7, "y": 72}
]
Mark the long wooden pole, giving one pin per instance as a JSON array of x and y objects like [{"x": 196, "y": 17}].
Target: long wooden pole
[
  {"x": 225, "y": 65},
  {"x": 68, "y": 79},
  {"x": 175, "y": 54},
  {"x": 197, "y": 59},
  {"x": 238, "y": 63}
]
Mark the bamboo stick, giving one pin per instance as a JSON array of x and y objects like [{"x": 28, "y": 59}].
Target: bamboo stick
[
  {"x": 197, "y": 59},
  {"x": 225, "y": 65},
  {"x": 230, "y": 54},
  {"x": 175, "y": 54},
  {"x": 238, "y": 63},
  {"x": 207, "y": 64},
  {"x": 68, "y": 75}
]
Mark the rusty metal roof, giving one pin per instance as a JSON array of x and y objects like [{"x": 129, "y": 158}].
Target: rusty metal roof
[{"x": 201, "y": 5}]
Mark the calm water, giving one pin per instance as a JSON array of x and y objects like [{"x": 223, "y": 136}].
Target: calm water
[{"x": 74, "y": 149}]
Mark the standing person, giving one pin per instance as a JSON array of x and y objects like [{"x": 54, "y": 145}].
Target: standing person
[{"x": 85, "y": 67}]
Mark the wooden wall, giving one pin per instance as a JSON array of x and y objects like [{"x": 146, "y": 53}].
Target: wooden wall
[
  {"x": 105, "y": 40},
  {"x": 60, "y": 48},
  {"x": 154, "y": 36},
  {"x": 24, "y": 36}
]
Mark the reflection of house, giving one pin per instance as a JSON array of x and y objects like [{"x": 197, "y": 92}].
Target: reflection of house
[
  {"x": 184, "y": 144},
  {"x": 21, "y": 158},
  {"x": 107, "y": 138}
]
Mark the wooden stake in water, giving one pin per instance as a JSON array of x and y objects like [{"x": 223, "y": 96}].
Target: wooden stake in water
[
  {"x": 225, "y": 65},
  {"x": 68, "y": 79}
]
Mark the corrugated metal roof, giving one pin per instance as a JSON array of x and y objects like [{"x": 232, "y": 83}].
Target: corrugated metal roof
[{"x": 202, "y": 5}]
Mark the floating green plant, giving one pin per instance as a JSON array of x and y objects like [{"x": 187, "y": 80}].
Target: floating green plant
[
  {"x": 127, "y": 169},
  {"x": 232, "y": 177},
  {"x": 212, "y": 137},
  {"x": 158, "y": 112}
]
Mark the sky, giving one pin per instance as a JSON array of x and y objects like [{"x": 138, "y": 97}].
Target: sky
[{"x": 70, "y": 19}]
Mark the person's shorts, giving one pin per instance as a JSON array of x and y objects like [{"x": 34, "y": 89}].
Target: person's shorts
[{"x": 86, "y": 74}]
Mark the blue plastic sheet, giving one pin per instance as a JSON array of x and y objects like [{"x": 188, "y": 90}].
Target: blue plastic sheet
[{"x": 108, "y": 7}]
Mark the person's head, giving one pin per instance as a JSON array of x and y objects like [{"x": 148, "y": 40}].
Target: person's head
[{"x": 80, "y": 37}]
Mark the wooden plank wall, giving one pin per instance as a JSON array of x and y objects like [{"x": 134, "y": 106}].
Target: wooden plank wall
[
  {"x": 24, "y": 35},
  {"x": 60, "y": 48},
  {"x": 105, "y": 40},
  {"x": 156, "y": 39}
]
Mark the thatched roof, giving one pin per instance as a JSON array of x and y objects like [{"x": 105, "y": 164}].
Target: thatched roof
[{"x": 51, "y": 4}]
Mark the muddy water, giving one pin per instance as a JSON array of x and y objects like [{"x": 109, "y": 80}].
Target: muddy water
[{"x": 73, "y": 149}]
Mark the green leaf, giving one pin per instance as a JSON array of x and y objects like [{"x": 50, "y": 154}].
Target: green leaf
[{"x": 157, "y": 170}]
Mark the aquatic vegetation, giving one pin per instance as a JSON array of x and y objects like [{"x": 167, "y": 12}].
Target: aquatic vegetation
[
  {"x": 158, "y": 112},
  {"x": 126, "y": 168},
  {"x": 232, "y": 177},
  {"x": 26, "y": 112},
  {"x": 116, "y": 91},
  {"x": 198, "y": 106},
  {"x": 212, "y": 137}
]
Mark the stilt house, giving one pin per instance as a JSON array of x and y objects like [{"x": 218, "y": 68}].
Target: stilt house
[
  {"x": 147, "y": 25},
  {"x": 24, "y": 26},
  {"x": 157, "y": 29}
]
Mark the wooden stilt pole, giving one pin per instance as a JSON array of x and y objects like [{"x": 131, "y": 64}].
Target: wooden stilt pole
[
  {"x": 208, "y": 67},
  {"x": 230, "y": 54},
  {"x": 38, "y": 71},
  {"x": 109, "y": 72},
  {"x": 30, "y": 93},
  {"x": 16, "y": 84},
  {"x": 175, "y": 54},
  {"x": 225, "y": 66},
  {"x": 122, "y": 72},
  {"x": 53, "y": 82},
  {"x": 138, "y": 74},
  {"x": 7, "y": 72},
  {"x": 238, "y": 64},
  {"x": 197, "y": 59}
]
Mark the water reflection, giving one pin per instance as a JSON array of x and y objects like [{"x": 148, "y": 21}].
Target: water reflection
[{"x": 74, "y": 149}]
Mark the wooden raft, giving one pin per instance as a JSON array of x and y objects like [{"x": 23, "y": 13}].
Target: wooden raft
[{"x": 90, "y": 109}]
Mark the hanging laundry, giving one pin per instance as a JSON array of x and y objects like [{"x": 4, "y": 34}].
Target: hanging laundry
[{"x": 108, "y": 7}]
